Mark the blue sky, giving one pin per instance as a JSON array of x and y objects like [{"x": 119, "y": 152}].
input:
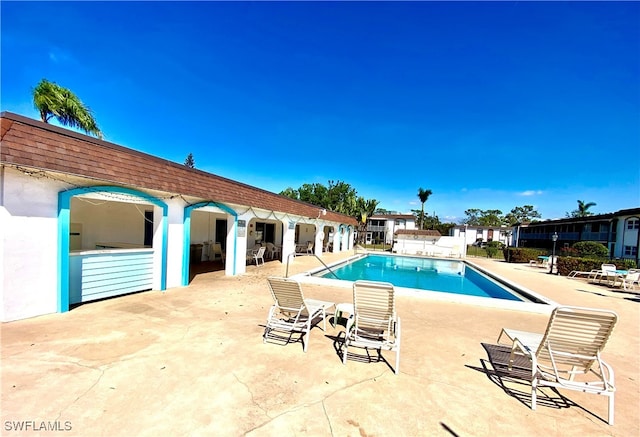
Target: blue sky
[{"x": 491, "y": 105}]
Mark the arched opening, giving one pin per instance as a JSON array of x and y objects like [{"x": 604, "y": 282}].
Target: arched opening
[{"x": 112, "y": 241}]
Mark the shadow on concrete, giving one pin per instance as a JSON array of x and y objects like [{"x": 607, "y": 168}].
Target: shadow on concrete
[{"x": 517, "y": 381}]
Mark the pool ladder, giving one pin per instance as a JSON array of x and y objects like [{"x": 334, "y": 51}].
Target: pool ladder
[{"x": 317, "y": 257}]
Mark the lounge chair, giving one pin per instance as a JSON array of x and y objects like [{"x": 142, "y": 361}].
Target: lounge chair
[
  {"x": 629, "y": 280},
  {"x": 570, "y": 346},
  {"x": 602, "y": 273},
  {"x": 577, "y": 273},
  {"x": 291, "y": 312},
  {"x": 374, "y": 323}
]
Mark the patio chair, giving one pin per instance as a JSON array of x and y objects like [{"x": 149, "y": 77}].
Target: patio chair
[
  {"x": 570, "y": 346},
  {"x": 217, "y": 251},
  {"x": 310, "y": 248},
  {"x": 273, "y": 251},
  {"x": 374, "y": 323},
  {"x": 257, "y": 255},
  {"x": 327, "y": 246},
  {"x": 292, "y": 313}
]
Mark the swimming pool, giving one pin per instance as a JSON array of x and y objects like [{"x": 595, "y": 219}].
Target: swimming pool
[{"x": 426, "y": 274}]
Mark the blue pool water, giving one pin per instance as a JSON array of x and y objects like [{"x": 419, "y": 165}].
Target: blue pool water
[{"x": 422, "y": 273}]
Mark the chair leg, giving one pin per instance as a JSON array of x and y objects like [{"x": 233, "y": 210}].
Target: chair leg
[
  {"x": 534, "y": 387},
  {"x": 307, "y": 334},
  {"x": 344, "y": 353},
  {"x": 611, "y": 409}
]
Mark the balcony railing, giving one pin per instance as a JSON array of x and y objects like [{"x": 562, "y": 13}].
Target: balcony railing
[{"x": 372, "y": 228}]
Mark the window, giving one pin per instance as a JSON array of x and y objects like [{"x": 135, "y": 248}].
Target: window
[
  {"x": 633, "y": 224},
  {"x": 630, "y": 250}
]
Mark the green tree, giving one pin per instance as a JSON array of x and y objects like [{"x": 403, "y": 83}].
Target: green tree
[
  {"x": 423, "y": 195},
  {"x": 290, "y": 193},
  {"x": 473, "y": 216},
  {"x": 189, "y": 161},
  {"x": 583, "y": 209},
  {"x": 489, "y": 217},
  {"x": 52, "y": 100},
  {"x": 337, "y": 196},
  {"x": 521, "y": 214}
]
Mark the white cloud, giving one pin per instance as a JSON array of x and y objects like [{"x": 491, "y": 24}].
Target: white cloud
[
  {"x": 56, "y": 55},
  {"x": 531, "y": 193}
]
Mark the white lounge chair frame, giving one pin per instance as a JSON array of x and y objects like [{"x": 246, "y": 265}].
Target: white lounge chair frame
[
  {"x": 291, "y": 312},
  {"x": 630, "y": 279},
  {"x": 570, "y": 346},
  {"x": 374, "y": 324},
  {"x": 605, "y": 269}
]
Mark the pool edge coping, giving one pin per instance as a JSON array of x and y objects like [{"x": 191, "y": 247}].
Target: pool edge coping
[{"x": 545, "y": 307}]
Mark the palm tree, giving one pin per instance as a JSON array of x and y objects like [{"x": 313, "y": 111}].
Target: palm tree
[
  {"x": 423, "y": 195},
  {"x": 52, "y": 100},
  {"x": 366, "y": 210},
  {"x": 583, "y": 208}
]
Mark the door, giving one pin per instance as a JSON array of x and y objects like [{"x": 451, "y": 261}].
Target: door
[{"x": 221, "y": 233}]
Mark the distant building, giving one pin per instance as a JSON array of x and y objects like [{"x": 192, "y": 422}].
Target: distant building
[
  {"x": 381, "y": 228},
  {"x": 478, "y": 234},
  {"x": 618, "y": 231}
]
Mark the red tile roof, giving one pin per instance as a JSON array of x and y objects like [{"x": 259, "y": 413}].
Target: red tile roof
[{"x": 30, "y": 143}]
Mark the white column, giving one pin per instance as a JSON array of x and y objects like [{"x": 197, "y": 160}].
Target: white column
[
  {"x": 288, "y": 239},
  {"x": 318, "y": 239}
]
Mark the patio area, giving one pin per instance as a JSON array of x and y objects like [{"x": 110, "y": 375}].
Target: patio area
[{"x": 191, "y": 361}]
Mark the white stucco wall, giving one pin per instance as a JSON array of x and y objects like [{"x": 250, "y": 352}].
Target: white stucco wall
[
  {"x": 445, "y": 246},
  {"x": 625, "y": 237},
  {"x": 29, "y": 236},
  {"x": 175, "y": 238}
]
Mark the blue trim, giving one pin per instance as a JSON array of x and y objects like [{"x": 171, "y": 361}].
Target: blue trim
[
  {"x": 64, "y": 217},
  {"x": 186, "y": 241},
  {"x": 63, "y": 253}
]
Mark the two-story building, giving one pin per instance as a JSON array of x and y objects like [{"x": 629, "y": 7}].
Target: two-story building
[
  {"x": 483, "y": 234},
  {"x": 381, "y": 228},
  {"x": 617, "y": 230}
]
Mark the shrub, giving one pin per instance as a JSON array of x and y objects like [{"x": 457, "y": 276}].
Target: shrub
[
  {"x": 625, "y": 264},
  {"x": 496, "y": 244},
  {"x": 567, "y": 264},
  {"x": 522, "y": 254},
  {"x": 491, "y": 251},
  {"x": 591, "y": 249},
  {"x": 569, "y": 251}
]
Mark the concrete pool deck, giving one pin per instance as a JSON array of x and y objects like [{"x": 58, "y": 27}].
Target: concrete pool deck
[{"x": 191, "y": 361}]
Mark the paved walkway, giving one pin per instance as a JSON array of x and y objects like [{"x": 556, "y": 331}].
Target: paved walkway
[{"x": 191, "y": 361}]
